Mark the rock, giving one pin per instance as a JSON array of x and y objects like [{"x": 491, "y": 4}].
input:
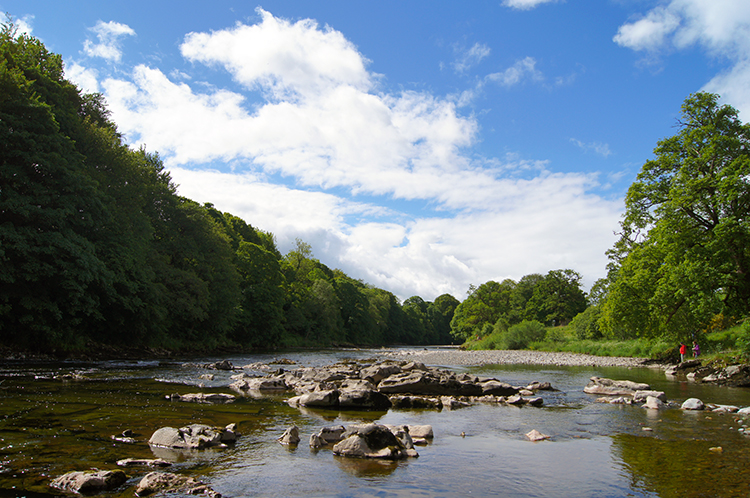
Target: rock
[
  {"x": 207, "y": 376},
  {"x": 363, "y": 399},
  {"x": 92, "y": 481},
  {"x": 203, "y": 398},
  {"x": 372, "y": 441},
  {"x": 326, "y": 436},
  {"x": 537, "y": 401},
  {"x": 451, "y": 403},
  {"x": 692, "y": 404},
  {"x": 376, "y": 373},
  {"x": 654, "y": 403},
  {"x": 245, "y": 383},
  {"x": 192, "y": 437},
  {"x": 421, "y": 431},
  {"x": 164, "y": 481},
  {"x": 609, "y": 387},
  {"x": 415, "y": 402},
  {"x": 497, "y": 388},
  {"x": 724, "y": 409},
  {"x": 325, "y": 399},
  {"x": 515, "y": 400},
  {"x": 540, "y": 386},
  {"x": 429, "y": 383},
  {"x": 716, "y": 449},
  {"x": 640, "y": 396},
  {"x": 143, "y": 462},
  {"x": 620, "y": 400},
  {"x": 744, "y": 411},
  {"x": 290, "y": 436},
  {"x": 223, "y": 365},
  {"x": 535, "y": 435}
]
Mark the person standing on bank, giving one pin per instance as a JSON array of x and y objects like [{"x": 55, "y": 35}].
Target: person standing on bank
[
  {"x": 696, "y": 349},
  {"x": 683, "y": 350}
]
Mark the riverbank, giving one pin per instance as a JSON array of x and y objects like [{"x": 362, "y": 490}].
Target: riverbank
[{"x": 519, "y": 357}]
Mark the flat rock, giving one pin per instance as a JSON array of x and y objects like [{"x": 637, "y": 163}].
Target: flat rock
[
  {"x": 143, "y": 462},
  {"x": 535, "y": 435},
  {"x": 609, "y": 387}
]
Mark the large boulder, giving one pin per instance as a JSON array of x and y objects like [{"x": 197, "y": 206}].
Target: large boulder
[
  {"x": 654, "y": 403},
  {"x": 372, "y": 441},
  {"x": 290, "y": 436},
  {"x": 363, "y": 399},
  {"x": 376, "y": 373},
  {"x": 155, "y": 482},
  {"x": 90, "y": 481},
  {"x": 323, "y": 399},
  {"x": 430, "y": 383},
  {"x": 609, "y": 387},
  {"x": 193, "y": 437}
]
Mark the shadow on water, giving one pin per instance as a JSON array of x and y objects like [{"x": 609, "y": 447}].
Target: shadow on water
[{"x": 50, "y": 426}]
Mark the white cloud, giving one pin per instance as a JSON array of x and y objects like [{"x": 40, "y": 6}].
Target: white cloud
[
  {"x": 469, "y": 58},
  {"x": 525, "y": 4},
  {"x": 109, "y": 35},
  {"x": 721, "y": 27},
  {"x": 323, "y": 125},
  {"x": 545, "y": 223},
  {"x": 519, "y": 72},
  {"x": 600, "y": 148},
  {"x": 23, "y": 24},
  {"x": 85, "y": 78}
]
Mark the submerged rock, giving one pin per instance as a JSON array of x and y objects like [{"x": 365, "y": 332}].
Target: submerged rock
[
  {"x": 203, "y": 398},
  {"x": 91, "y": 481}
]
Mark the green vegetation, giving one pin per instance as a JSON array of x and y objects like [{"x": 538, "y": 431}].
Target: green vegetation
[{"x": 97, "y": 247}]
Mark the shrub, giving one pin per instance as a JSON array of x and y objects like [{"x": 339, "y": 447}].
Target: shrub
[
  {"x": 520, "y": 335},
  {"x": 586, "y": 323}
]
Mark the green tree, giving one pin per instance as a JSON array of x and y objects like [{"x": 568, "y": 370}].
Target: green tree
[
  {"x": 484, "y": 306},
  {"x": 684, "y": 250},
  {"x": 557, "y": 298},
  {"x": 440, "y": 313}
]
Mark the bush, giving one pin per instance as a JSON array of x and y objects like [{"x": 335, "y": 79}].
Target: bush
[
  {"x": 520, "y": 335},
  {"x": 586, "y": 323}
]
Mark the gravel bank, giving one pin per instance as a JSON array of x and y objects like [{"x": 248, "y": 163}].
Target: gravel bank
[{"x": 459, "y": 357}]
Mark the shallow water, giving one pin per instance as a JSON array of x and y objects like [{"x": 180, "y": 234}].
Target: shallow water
[{"x": 49, "y": 427}]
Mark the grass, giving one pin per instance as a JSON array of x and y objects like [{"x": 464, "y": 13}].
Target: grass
[{"x": 725, "y": 346}]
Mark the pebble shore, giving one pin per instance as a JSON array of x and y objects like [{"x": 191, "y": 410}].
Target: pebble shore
[{"x": 495, "y": 357}]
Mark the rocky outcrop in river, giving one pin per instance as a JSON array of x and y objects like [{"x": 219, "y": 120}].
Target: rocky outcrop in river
[{"x": 381, "y": 385}]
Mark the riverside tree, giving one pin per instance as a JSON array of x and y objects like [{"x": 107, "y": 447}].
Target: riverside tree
[{"x": 683, "y": 254}]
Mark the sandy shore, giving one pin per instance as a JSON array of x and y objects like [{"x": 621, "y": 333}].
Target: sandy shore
[{"x": 459, "y": 357}]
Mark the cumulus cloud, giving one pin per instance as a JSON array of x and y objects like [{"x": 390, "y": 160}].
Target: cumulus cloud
[
  {"x": 525, "y": 4},
  {"x": 322, "y": 123},
  {"x": 109, "y": 35},
  {"x": 721, "y": 27}
]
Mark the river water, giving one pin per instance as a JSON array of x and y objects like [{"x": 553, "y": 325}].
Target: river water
[{"x": 50, "y": 426}]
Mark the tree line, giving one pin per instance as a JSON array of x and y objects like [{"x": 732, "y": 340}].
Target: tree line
[{"x": 96, "y": 245}]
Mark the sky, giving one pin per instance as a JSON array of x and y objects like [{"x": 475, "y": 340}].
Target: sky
[{"x": 420, "y": 146}]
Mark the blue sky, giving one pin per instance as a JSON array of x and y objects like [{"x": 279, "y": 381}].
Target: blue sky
[{"x": 421, "y": 146}]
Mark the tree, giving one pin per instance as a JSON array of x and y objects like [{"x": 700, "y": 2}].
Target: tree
[
  {"x": 484, "y": 306},
  {"x": 684, "y": 250},
  {"x": 557, "y": 298}
]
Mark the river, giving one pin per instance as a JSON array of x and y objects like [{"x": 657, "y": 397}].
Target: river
[{"x": 50, "y": 426}]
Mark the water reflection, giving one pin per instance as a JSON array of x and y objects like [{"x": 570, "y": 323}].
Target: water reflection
[{"x": 50, "y": 426}]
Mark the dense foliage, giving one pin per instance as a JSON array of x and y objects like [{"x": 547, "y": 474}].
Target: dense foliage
[
  {"x": 95, "y": 244},
  {"x": 552, "y": 299},
  {"x": 683, "y": 257}
]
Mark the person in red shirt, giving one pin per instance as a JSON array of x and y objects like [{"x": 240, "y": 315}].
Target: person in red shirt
[{"x": 683, "y": 350}]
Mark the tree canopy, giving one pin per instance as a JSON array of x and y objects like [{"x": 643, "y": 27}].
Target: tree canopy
[{"x": 683, "y": 254}]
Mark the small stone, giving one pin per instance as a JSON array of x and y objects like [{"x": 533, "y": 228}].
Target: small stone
[{"x": 535, "y": 435}]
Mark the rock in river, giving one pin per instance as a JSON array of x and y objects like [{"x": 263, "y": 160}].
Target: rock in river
[
  {"x": 372, "y": 441},
  {"x": 193, "y": 437},
  {"x": 89, "y": 481},
  {"x": 609, "y": 387},
  {"x": 164, "y": 481}
]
